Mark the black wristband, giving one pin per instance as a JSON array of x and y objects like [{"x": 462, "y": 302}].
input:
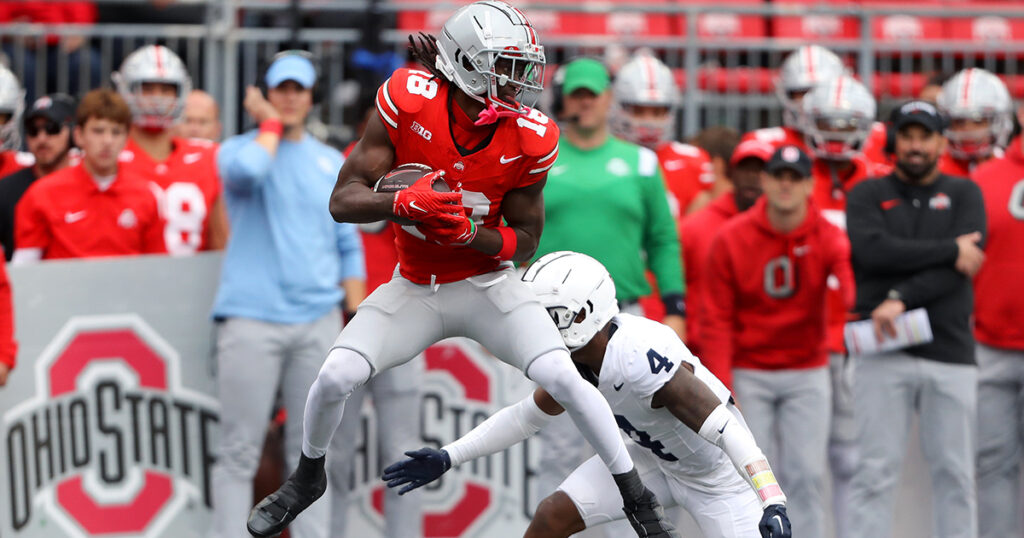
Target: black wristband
[{"x": 675, "y": 304}]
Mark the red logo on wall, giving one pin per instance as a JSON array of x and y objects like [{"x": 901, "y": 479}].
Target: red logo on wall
[{"x": 112, "y": 444}]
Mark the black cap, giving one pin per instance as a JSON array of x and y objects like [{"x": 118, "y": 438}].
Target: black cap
[
  {"x": 789, "y": 158},
  {"x": 56, "y": 107},
  {"x": 920, "y": 113}
]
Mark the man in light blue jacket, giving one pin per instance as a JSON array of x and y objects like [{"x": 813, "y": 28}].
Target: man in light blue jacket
[{"x": 277, "y": 306}]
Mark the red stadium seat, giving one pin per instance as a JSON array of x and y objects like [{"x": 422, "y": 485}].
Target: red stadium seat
[
  {"x": 816, "y": 26},
  {"x": 731, "y": 26},
  {"x": 987, "y": 28},
  {"x": 907, "y": 28}
]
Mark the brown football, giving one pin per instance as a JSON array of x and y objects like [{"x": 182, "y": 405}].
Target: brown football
[{"x": 403, "y": 176}]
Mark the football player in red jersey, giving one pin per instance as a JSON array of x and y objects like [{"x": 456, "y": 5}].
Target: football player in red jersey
[
  {"x": 12, "y": 104},
  {"x": 182, "y": 171},
  {"x": 838, "y": 117},
  {"x": 998, "y": 309},
  {"x": 464, "y": 118},
  {"x": 979, "y": 110},
  {"x": 644, "y": 113}
]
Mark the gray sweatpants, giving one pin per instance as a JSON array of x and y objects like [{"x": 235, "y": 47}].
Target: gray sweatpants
[
  {"x": 888, "y": 388},
  {"x": 254, "y": 359},
  {"x": 789, "y": 412},
  {"x": 842, "y": 440},
  {"x": 395, "y": 393},
  {"x": 1000, "y": 441}
]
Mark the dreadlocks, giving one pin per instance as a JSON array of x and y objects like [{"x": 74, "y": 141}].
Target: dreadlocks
[{"x": 423, "y": 49}]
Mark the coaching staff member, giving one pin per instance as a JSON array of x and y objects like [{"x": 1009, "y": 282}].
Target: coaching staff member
[{"x": 915, "y": 236}]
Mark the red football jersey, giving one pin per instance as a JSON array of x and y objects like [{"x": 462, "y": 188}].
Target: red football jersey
[
  {"x": 874, "y": 146},
  {"x": 12, "y": 161},
  {"x": 696, "y": 232},
  {"x": 687, "y": 172},
  {"x": 766, "y": 291},
  {"x": 830, "y": 196},
  {"x": 186, "y": 186},
  {"x": 8, "y": 347},
  {"x": 778, "y": 137},
  {"x": 998, "y": 287},
  {"x": 67, "y": 216},
  {"x": 414, "y": 108}
]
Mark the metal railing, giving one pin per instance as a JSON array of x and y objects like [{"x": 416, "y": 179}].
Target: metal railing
[{"x": 223, "y": 53}]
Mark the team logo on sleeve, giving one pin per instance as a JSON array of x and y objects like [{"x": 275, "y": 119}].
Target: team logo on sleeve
[{"x": 112, "y": 444}]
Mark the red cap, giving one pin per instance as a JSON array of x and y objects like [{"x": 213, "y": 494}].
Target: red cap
[{"x": 752, "y": 148}]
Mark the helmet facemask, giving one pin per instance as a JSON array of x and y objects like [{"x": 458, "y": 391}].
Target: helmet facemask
[
  {"x": 977, "y": 143},
  {"x": 838, "y": 137},
  {"x": 648, "y": 130}
]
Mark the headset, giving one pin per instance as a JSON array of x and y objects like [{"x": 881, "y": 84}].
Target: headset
[
  {"x": 890, "y": 131},
  {"x": 261, "y": 81}
]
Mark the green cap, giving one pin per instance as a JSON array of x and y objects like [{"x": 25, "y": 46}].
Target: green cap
[{"x": 585, "y": 73}]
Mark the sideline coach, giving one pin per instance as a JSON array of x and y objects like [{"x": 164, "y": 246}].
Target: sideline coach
[{"x": 916, "y": 236}]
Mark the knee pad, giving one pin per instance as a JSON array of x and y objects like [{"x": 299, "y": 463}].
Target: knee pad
[{"x": 343, "y": 372}]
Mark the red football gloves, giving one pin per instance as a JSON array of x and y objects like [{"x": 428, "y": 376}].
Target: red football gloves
[
  {"x": 460, "y": 234},
  {"x": 421, "y": 203}
]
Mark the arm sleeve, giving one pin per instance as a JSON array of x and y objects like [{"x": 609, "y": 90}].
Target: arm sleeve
[
  {"x": 243, "y": 164},
  {"x": 661, "y": 240},
  {"x": 350, "y": 246},
  {"x": 8, "y": 347},
  {"x": 877, "y": 250},
  {"x": 503, "y": 429},
  {"x": 31, "y": 228},
  {"x": 719, "y": 311}
]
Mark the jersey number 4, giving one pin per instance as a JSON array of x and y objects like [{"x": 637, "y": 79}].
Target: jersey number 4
[{"x": 658, "y": 363}]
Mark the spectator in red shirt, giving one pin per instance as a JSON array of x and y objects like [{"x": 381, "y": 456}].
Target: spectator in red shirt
[
  {"x": 8, "y": 347},
  {"x": 998, "y": 311},
  {"x": 697, "y": 230},
  {"x": 76, "y": 47},
  {"x": 94, "y": 208},
  {"x": 766, "y": 284}
]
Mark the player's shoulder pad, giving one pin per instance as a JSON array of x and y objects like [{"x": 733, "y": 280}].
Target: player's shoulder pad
[
  {"x": 538, "y": 134},
  {"x": 688, "y": 150},
  {"x": 407, "y": 90}
]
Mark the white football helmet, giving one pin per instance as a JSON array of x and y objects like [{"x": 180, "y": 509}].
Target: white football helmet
[
  {"x": 571, "y": 285},
  {"x": 803, "y": 69},
  {"x": 12, "y": 104},
  {"x": 476, "y": 37},
  {"x": 644, "y": 81},
  {"x": 976, "y": 94},
  {"x": 153, "y": 63},
  {"x": 837, "y": 118}
]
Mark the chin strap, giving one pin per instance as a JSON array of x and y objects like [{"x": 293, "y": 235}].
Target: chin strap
[{"x": 491, "y": 114}]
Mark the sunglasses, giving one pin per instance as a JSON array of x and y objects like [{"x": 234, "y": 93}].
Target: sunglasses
[{"x": 51, "y": 128}]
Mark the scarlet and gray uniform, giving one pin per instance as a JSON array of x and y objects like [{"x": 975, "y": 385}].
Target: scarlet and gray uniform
[{"x": 675, "y": 462}]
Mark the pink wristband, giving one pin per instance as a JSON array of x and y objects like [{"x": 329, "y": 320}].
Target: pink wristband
[
  {"x": 509, "y": 240},
  {"x": 272, "y": 126}
]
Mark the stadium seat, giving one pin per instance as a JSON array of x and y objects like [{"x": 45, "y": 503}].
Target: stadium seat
[{"x": 811, "y": 27}]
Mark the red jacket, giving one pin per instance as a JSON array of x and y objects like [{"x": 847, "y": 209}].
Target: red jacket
[
  {"x": 8, "y": 347},
  {"x": 998, "y": 287},
  {"x": 766, "y": 291},
  {"x": 696, "y": 232}
]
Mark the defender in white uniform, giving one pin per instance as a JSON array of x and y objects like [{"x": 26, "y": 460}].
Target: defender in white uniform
[{"x": 689, "y": 439}]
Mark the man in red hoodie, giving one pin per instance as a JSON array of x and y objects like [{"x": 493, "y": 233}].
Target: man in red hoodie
[
  {"x": 998, "y": 311},
  {"x": 766, "y": 287},
  {"x": 697, "y": 230}
]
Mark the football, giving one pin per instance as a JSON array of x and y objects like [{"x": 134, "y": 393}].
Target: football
[{"x": 403, "y": 176}]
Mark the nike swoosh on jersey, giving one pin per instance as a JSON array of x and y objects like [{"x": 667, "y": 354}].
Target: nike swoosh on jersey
[
  {"x": 722, "y": 429},
  {"x": 76, "y": 216},
  {"x": 506, "y": 161},
  {"x": 618, "y": 387}
]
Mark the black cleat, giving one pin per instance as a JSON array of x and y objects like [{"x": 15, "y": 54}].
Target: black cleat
[{"x": 273, "y": 514}]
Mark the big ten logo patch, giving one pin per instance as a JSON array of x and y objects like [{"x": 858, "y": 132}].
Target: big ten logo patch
[
  {"x": 111, "y": 443},
  {"x": 462, "y": 386}
]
